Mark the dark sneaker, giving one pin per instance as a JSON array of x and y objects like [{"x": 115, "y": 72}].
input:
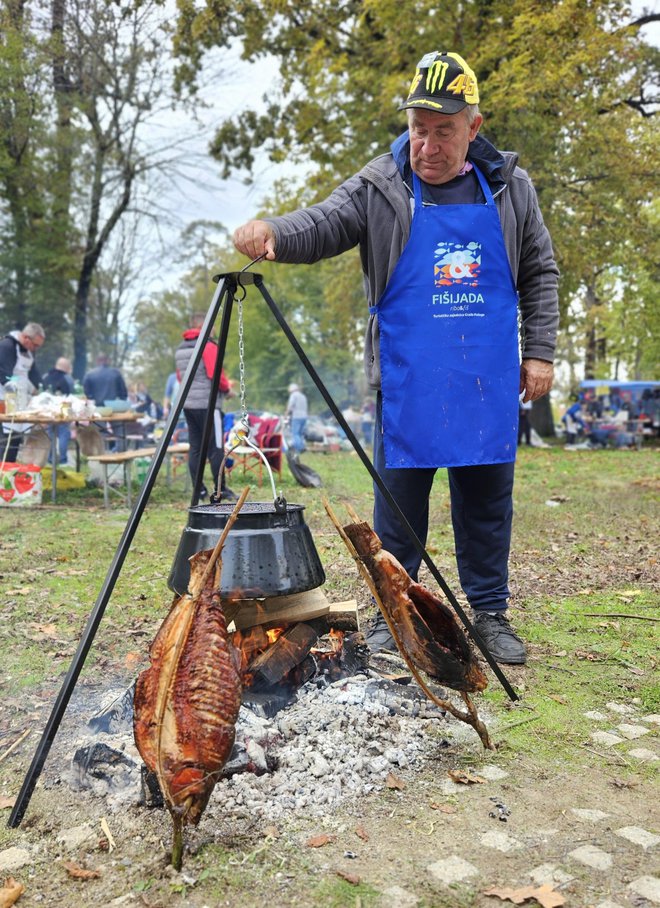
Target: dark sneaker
[
  {"x": 228, "y": 495},
  {"x": 378, "y": 637},
  {"x": 502, "y": 642}
]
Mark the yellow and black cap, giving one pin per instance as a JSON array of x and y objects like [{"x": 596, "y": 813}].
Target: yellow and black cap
[{"x": 443, "y": 82}]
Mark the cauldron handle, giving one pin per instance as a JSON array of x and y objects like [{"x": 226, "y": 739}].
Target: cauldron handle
[{"x": 242, "y": 437}]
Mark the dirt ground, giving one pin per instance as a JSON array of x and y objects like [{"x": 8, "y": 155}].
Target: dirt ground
[{"x": 582, "y": 827}]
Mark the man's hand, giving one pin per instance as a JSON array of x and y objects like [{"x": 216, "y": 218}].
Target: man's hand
[
  {"x": 255, "y": 238},
  {"x": 535, "y": 378}
]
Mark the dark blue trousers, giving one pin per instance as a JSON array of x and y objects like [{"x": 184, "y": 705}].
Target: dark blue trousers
[{"x": 481, "y": 513}]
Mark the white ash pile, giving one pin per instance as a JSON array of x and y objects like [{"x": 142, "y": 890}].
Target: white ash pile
[{"x": 333, "y": 742}]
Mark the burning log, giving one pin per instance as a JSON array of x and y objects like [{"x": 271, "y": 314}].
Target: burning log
[
  {"x": 288, "y": 651},
  {"x": 423, "y": 627},
  {"x": 187, "y": 702}
]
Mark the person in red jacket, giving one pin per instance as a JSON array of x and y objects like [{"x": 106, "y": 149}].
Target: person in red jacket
[{"x": 196, "y": 405}]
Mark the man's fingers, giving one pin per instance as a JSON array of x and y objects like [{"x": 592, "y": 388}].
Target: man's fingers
[
  {"x": 254, "y": 239},
  {"x": 535, "y": 378}
]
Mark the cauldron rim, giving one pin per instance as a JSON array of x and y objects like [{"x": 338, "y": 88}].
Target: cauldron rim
[{"x": 249, "y": 508}]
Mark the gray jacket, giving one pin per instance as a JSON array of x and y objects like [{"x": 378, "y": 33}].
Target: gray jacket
[
  {"x": 198, "y": 396},
  {"x": 373, "y": 210}
]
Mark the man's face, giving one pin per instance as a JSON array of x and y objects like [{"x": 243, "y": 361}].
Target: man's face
[
  {"x": 32, "y": 343},
  {"x": 439, "y": 143}
]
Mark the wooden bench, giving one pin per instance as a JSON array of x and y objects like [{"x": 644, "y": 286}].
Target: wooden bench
[{"x": 125, "y": 459}]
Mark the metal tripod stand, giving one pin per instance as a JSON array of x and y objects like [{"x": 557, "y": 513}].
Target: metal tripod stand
[{"x": 223, "y": 299}]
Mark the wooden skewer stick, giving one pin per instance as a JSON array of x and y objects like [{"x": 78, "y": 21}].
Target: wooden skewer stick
[
  {"x": 161, "y": 706},
  {"x": 13, "y": 746}
]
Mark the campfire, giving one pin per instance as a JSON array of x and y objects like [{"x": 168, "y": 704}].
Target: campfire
[
  {"x": 217, "y": 656},
  {"x": 284, "y": 642}
]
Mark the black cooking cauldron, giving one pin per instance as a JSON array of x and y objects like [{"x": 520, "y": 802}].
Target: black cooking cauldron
[{"x": 269, "y": 550}]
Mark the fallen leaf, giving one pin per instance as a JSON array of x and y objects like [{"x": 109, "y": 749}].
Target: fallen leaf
[
  {"x": 80, "y": 873},
  {"x": 443, "y": 808},
  {"x": 362, "y": 833},
  {"x": 545, "y": 895},
  {"x": 589, "y": 656},
  {"x": 393, "y": 781},
  {"x": 23, "y": 591},
  {"x": 272, "y": 832},
  {"x": 132, "y": 659},
  {"x": 6, "y": 802},
  {"x": 464, "y": 778},
  {"x": 50, "y": 630},
  {"x": 318, "y": 841},
  {"x": 10, "y": 892},
  {"x": 349, "y": 877},
  {"x": 557, "y": 699}
]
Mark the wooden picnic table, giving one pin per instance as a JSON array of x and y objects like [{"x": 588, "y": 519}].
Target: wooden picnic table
[{"x": 126, "y": 459}]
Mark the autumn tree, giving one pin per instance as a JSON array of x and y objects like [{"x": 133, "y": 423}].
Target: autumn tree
[{"x": 80, "y": 80}]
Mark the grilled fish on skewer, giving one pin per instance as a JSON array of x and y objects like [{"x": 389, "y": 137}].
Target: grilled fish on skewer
[
  {"x": 187, "y": 702},
  {"x": 425, "y": 626}
]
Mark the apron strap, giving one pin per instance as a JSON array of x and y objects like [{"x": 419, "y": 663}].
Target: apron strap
[{"x": 485, "y": 188}]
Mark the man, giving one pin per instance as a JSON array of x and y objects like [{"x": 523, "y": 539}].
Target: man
[
  {"x": 171, "y": 391},
  {"x": 296, "y": 411},
  {"x": 451, "y": 240},
  {"x": 105, "y": 382},
  {"x": 574, "y": 422},
  {"x": 58, "y": 380},
  {"x": 196, "y": 405},
  {"x": 17, "y": 352}
]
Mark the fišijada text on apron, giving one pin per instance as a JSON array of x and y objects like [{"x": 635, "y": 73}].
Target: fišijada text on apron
[{"x": 448, "y": 324}]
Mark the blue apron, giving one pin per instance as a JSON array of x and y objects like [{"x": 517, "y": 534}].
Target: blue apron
[{"x": 448, "y": 324}]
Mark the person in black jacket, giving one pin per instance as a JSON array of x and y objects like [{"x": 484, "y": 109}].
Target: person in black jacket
[
  {"x": 105, "y": 382},
  {"x": 17, "y": 352},
  {"x": 58, "y": 381}
]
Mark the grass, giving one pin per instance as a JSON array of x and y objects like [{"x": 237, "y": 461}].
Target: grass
[
  {"x": 590, "y": 553},
  {"x": 583, "y": 554}
]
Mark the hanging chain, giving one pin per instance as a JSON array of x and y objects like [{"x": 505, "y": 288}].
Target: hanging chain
[
  {"x": 245, "y": 430},
  {"x": 241, "y": 364}
]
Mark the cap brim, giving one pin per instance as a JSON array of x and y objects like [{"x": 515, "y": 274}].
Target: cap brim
[{"x": 446, "y": 106}]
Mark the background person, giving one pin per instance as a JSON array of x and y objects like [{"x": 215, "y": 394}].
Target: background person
[
  {"x": 468, "y": 198},
  {"x": 524, "y": 425},
  {"x": 171, "y": 391},
  {"x": 297, "y": 412},
  {"x": 574, "y": 423},
  {"x": 58, "y": 381},
  {"x": 17, "y": 360},
  {"x": 196, "y": 404},
  {"x": 105, "y": 382},
  {"x": 368, "y": 413}
]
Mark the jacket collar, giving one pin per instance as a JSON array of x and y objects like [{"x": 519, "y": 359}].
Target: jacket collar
[{"x": 481, "y": 152}]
